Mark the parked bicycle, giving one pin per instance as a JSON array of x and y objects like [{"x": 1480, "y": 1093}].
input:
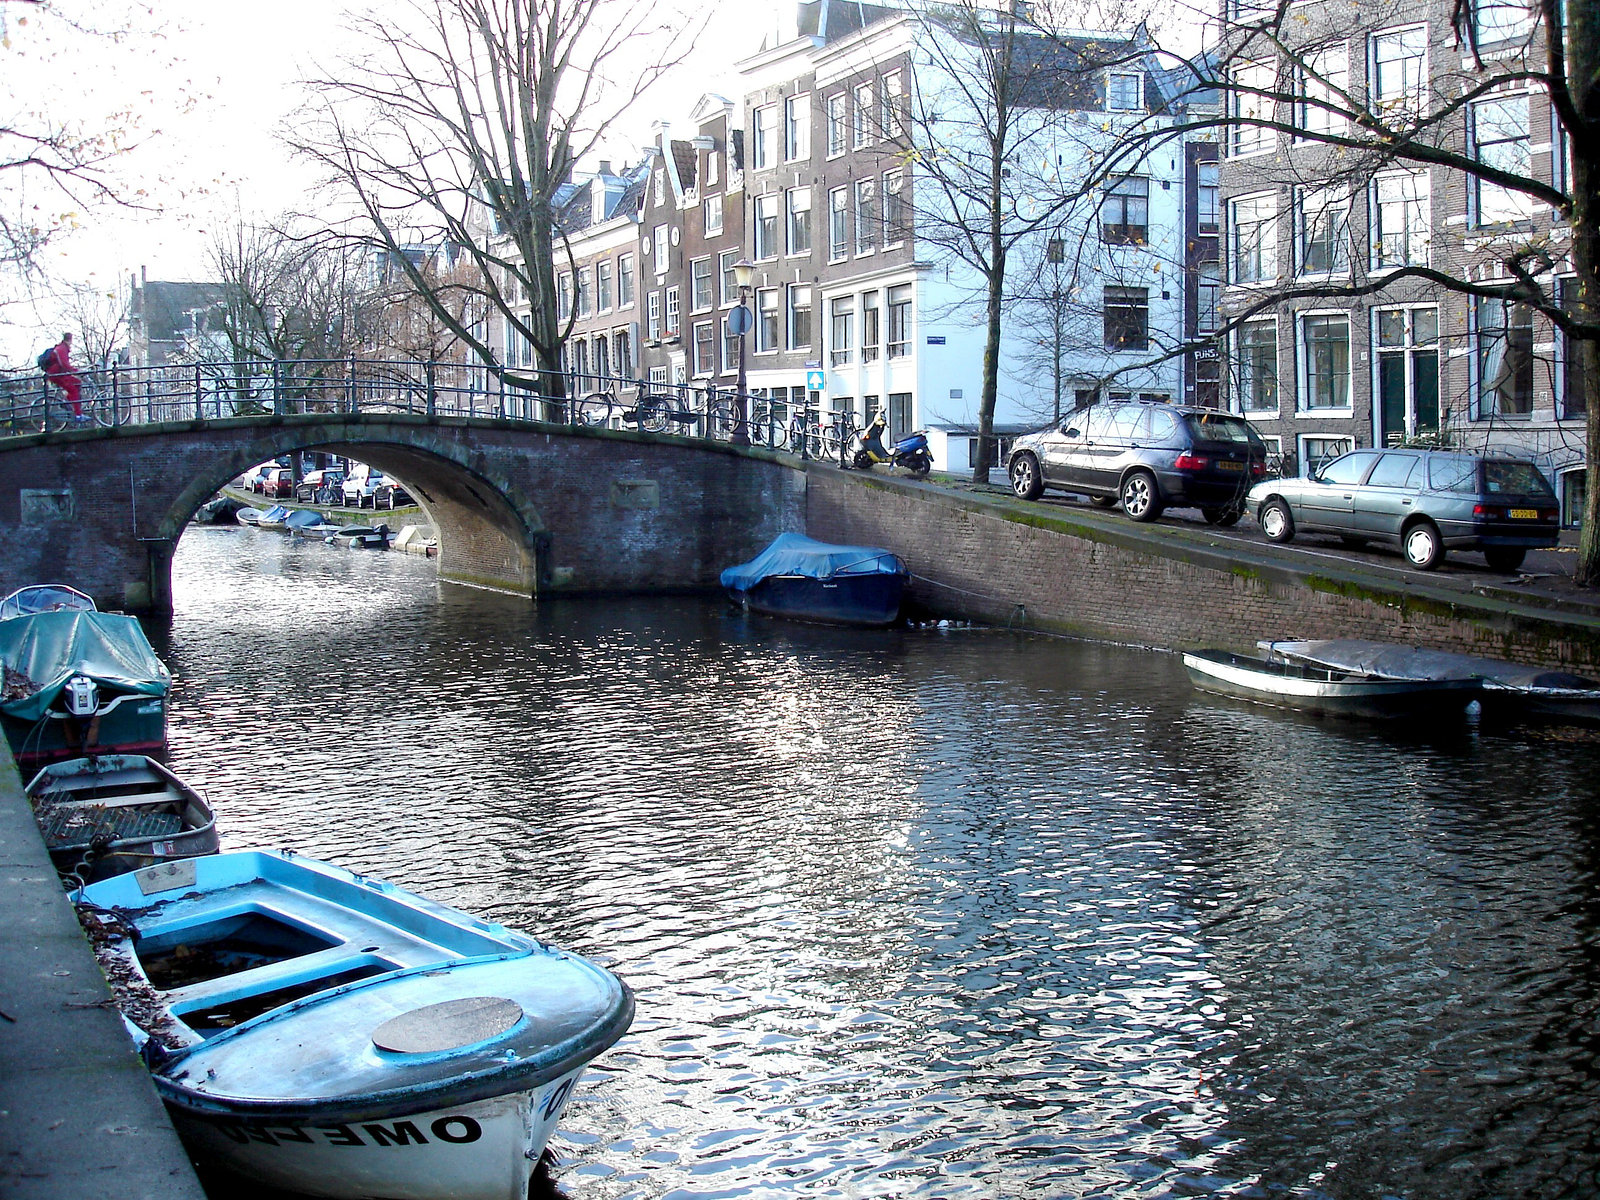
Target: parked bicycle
[{"x": 652, "y": 412}]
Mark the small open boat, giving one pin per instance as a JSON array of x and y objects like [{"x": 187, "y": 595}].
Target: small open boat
[
  {"x": 807, "y": 580},
  {"x": 248, "y": 516},
  {"x": 329, "y": 1034},
  {"x": 112, "y": 813},
  {"x": 1508, "y": 689},
  {"x": 1323, "y": 691},
  {"x": 362, "y": 537},
  {"x": 78, "y": 681}
]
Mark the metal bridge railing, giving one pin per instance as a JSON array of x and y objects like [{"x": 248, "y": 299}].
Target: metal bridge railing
[{"x": 209, "y": 391}]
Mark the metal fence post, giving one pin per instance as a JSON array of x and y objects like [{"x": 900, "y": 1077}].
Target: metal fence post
[
  {"x": 433, "y": 398},
  {"x": 199, "y": 396},
  {"x": 277, "y": 388}
]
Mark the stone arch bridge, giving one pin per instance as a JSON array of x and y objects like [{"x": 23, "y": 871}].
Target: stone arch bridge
[{"x": 522, "y": 506}]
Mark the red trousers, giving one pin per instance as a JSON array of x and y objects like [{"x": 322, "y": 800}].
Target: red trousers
[{"x": 71, "y": 387}]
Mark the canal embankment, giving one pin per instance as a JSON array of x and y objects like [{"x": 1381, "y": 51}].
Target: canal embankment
[
  {"x": 79, "y": 1116},
  {"x": 988, "y": 557}
]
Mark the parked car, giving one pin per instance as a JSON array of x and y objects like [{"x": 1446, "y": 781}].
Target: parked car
[
  {"x": 251, "y": 480},
  {"x": 321, "y": 486},
  {"x": 391, "y": 494},
  {"x": 1425, "y": 501},
  {"x": 361, "y": 484},
  {"x": 278, "y": 483},
  {"x": 1147, "y": 454}
]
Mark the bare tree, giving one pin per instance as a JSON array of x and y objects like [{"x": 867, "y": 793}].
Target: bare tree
[
  {"x": 1422, "y": 149},
  {"x": 100, "y": 317},
  {"x": 462, "y": 127}
]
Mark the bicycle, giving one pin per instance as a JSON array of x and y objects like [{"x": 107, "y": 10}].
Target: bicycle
[
  {"x": 651, "y": 412},
  {"x": 49, "y": 411}
]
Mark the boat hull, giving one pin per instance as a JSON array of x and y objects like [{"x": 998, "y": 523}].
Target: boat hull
[
  {"x": 1324, "y": 692},
  {"x": 869, "y": 601},
  {"x": 136, "y": 724},
  {"x": 481, "y": 1151}
]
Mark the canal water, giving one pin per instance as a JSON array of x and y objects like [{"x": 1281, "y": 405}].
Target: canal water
[{"x": 936, "y": 912}]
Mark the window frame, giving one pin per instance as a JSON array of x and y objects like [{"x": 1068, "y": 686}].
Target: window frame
[
  {"x": 1303, "y": 366},
  {"x": 1131, "y": 300},
  {"x": 1239, "y": 392},
  {"x": 797, "y": 127},
  {"x": 1264, "y": 219}
]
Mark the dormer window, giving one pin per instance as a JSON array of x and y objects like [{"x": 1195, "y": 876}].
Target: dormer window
[{"x": 1124, "y": 91}]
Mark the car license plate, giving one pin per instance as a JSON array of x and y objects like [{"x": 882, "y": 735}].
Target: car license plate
[
  {"x": 1226, "y": 465},
  {"x": 1524, "y": 514}
]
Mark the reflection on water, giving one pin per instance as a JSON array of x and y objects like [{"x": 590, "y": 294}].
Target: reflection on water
[{"x": 934, "y": 913}]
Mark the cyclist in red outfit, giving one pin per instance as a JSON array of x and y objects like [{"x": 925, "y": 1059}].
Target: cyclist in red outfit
[{"x": 58, "y": 370}]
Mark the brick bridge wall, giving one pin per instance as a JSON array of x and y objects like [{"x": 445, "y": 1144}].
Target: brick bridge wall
[
  {"x": 535, "y": 510},
  {"x": 992, "y": 559}
]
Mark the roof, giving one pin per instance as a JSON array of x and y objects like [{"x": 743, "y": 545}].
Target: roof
[{"x": 165, "y": 309}]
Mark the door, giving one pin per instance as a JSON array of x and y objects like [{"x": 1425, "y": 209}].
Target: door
[
  {"x": 1388, "y": 496},
  {"x": 1329, "y": 498},
  {"x": 1111, "y": 439}
]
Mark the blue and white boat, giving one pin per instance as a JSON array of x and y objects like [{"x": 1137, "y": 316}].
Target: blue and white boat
[
  {"x": 330, "y": 1034},
  {"x": 806, "y": 580}
]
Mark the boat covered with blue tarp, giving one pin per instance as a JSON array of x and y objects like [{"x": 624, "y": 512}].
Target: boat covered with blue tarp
[
  {"x": 79, "y": 681},
  {"x": 806, "y": 580}
]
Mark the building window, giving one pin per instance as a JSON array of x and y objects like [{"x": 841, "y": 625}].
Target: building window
[
  {"x": 1250, "y": 103},
  {"x": 837, "y": 124},
  {"x": 1210, "y": 297},
  {"x": 1207, "y": 207},
  {"x": 871, "y": 345},
  {"x": 1323, "y": 219},
  {"x": 713, "y": 209},
  {"x": 838, "y": 222},
  {"x": 622, "y": 347},
  {"x": 768, "y": 320},
  {"x": 1256, "y": 355},
  {"x": 1325, "y": 342},
  {"x": 730, "y": 282},
  {"x": 1574, "y": 400},
  {"x": 564, "y": 295},
  {"x": 1124, "y": 213},
  {"x": 1500, "y": 141},
  {"x": 625, "y": 281},
  {"x": 673, "y": 312},
  {"x": 796, "y": 128},
  {"x": 900, "y": 320},
  {"x": 659, "y": 245},
  {"x": 730, "y": 349},
  {"x": 1505, "y": 358},
  {"x": 585, "y": 291},
  {"x": 866, "y": 215},
  {"x": 761, "y": 137},
  {"x": 1399, "y": 72},
  {"x": 1408, "y": 372},
  {"x": 841, "y": 330},
  {"x": 653, "y": 316},
  {"x": 1574, "y": 486},
  {"x": 1124, "y": 91},
  {"x": 1324, "y": 81},
  {"x": 705, "y": 348},
  {"x": 766, "y": 209},
  {"x": 861, "y": 124},
  {"x": 1400, "y": 219},
  {"x": 1255, "y": 241},
  {"x": 602, "y": 285},
  {"x": 892, "y": 100},
  {"x": 1499, "y": 20},
  {"x": 895, "y": 225},
  {"x": 1318, "y": 452},
  {"x": 1127, "y": 318},
  {"x": 799, "y": 316},
  {"x": 713, "y": 161},
  {"x": 799, "y": 204},
  {"x": 700, "y": 297}
]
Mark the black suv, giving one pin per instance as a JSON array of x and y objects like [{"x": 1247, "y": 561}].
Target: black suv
[{"x": 1148, "y": 454}]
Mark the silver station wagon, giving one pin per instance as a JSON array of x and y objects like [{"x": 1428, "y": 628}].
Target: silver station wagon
[{"x": 1424, "y": 501}]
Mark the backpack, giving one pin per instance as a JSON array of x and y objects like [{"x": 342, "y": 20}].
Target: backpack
[{"x": 47, "y": 359}]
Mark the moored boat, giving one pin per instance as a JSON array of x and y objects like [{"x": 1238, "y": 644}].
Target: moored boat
[
  {"x": 1508, "y": 689},
  {"x": 112, "y": 813},
  {"x": 1325, "y": 692},
  {"x": 44, "y": 597},
  {"x": 248, "y": 516},
  {"x": 78, "y": 681},
  {"x": 806, "y": 580},
  {"x": 362, "y": 537},
  {"x": 273, "y": 518},
  {"x": 333, "y": 1035}
]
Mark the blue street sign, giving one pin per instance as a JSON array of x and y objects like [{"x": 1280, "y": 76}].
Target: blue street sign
[
  {"x": 936, "y": 341},
  {"x": 816, "y": 381},
  {"x": 740, "y": 320}
]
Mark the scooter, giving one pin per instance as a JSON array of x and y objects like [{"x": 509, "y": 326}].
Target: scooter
[{"x": 865, "y": 449}]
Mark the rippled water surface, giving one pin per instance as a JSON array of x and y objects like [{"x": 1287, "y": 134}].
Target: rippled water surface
[{"x": 934, "y": 913}]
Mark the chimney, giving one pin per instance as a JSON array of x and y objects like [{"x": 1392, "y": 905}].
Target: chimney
[{"x": 605, "y": 166}]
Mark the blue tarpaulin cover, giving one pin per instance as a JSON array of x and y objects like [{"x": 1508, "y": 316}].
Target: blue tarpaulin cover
[
  {"x": 796, "y": 554},
  {"x": 41, "y": 652}
]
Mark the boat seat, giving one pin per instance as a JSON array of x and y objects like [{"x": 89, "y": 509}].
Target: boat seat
[{"x": 164, "y": 796}]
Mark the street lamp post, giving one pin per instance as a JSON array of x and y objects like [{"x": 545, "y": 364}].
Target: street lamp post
[{"x": 740, "y": 320}]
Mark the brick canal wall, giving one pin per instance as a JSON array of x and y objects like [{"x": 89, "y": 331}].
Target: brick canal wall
[{"x": 990, "y": 558}]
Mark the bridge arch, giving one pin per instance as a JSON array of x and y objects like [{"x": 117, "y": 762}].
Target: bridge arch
[{"x": 519, "y": 506}]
